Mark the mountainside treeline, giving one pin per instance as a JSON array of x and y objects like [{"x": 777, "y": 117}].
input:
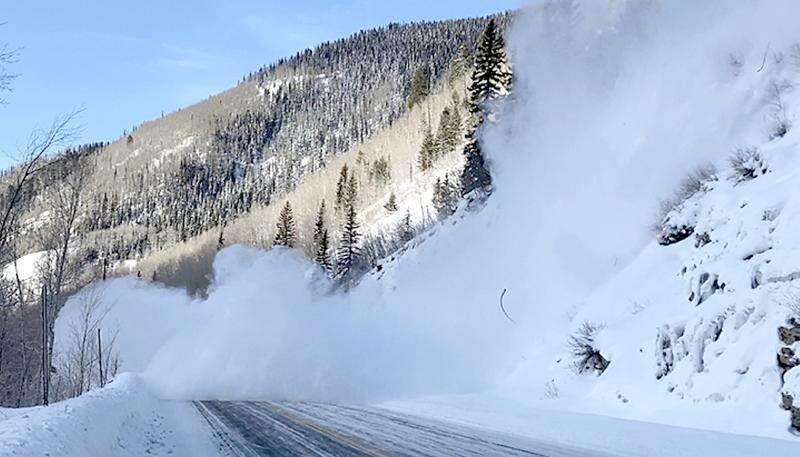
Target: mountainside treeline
[{"x": 307, "y": 109}]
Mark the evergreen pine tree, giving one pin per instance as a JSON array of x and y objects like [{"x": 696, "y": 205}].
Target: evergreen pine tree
[
  {"x": 391, "y": 205},
  {"x": 321, "y": 241},
  {"x": 341, "y": 187},
  {"x": 406, "y": 229},
  {"x": 427, "y": 152},
  {"x": 420, "y": 85},
  {"x": 285, "y": 228},
  {"x": 454, "y": 130},
  {"x": 444, "y": 139},
  {"x": 319, "y": 225},
  {"x": 474, "y": 175},
  {"x": 449, "y": 130},
  {"x": 459, "y": 65},
  {"x": 221, "y": 239},
  {"x": 351, "y": 191},
  {"x": 445, "y": 197},
  {"x": 380, "y": 172},
  {"x": 490, "y": 79},
  {"x": 348, "y": 248},
  {"x": 322, "y": 255}
]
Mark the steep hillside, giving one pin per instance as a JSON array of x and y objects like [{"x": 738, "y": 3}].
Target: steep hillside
[
  {"x": 557, "y": 294},
  {"x": 176, "y": 177},
  {"x": 384, "y": 165},
  {"x": 201, "y": 167},
  {"x": 160, "y": 201}
]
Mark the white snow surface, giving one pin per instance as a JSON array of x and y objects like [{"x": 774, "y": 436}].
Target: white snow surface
[
  {"x": 601, "y": 434},
  {"x": 123, "y": 419},
  {"x": 26, "y": 267},
  {"x": 613, "y": 104}
]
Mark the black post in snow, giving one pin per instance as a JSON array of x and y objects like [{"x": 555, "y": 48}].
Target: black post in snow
[
  {"x": 100, "y": 357},
  {"x": 45, "y": 361}
]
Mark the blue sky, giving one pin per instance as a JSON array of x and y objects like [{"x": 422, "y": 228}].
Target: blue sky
[{"x": 125, "y": 62}]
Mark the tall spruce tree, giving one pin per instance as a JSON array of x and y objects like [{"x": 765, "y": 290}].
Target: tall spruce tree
[
  {"x": 322, "y": 255},
  {"x": 445, "y": 197},
  {"x": 341, "y": 187},
  {"x": 491, "y": 79},
  {"x": 221, "y": 239},
  {"x": 420, "y": 85},
  {"x": 449, "y": 132},
  {"x": 351, "y": 191},
  {"x": 285, "y": 228},
  {"x": 459, "y": 65},
  {"x": 474, "y": 175},
  {"x": 321, "y": 241},
  {"x": 443, "y": 138},
  {"x": 347, "y": 255},
  {"x": 427, "y": 152},
  {"x": 405, "y": 231}
]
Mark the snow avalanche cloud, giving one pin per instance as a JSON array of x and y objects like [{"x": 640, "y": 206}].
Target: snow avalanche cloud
[{"x": 614, "y": 101}]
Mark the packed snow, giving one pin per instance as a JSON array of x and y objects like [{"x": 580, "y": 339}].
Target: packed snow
[
  {"x": 123, "y": 419},
  {"x": 25, "y": 267}
]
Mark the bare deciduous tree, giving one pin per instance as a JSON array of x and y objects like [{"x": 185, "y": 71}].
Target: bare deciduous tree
[
  {"x": 59, "y": 270},
  {"x": 40, "y": 144},
  {"x": 79, "y": 363},
  {"x": 585, "y": 356},
  {"x": 20, "y": 321},
  {"x": 8, "y": 56}
]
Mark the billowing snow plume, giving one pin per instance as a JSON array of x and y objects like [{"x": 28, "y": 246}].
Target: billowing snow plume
[
  {"x": 271, "y": 328},
  {"x": 614, "y": 102}
]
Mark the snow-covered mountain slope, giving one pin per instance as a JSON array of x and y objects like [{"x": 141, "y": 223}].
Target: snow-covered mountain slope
[
  {"x": 397, "y": 146},
  {"x": 615, "y": 102},
  {"x": 198, "y": 168}
]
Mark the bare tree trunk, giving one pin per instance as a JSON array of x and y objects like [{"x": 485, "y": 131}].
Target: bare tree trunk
[
  {"x": 60, "y": 272},
  {"x": 15, "y": 336},
  {"x": 100, "y": 357},
  {"x": 23, "y": 380},
  {"x": 3, "y": 333},
  {"x": 45, "y": 352}
]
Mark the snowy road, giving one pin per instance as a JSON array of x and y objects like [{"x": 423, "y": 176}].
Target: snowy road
[{"x": 250, "y": 429}]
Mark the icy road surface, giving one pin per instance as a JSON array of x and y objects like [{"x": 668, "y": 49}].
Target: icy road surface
[{"x": 250, "y": 429}]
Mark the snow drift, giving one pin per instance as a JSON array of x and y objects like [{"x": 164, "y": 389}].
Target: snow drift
[
  {"x": 124, "y": 419},
  {"x": 614, "y": 102}
]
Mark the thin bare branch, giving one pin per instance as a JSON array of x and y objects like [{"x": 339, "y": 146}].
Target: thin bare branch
[
  {"x": 503, "y": 308},
  {"x": 40, "y": 144}
]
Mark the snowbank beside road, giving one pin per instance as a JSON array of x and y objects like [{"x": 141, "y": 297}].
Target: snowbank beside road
[
  {"x": 588, "y": 431},
  {"x": 124, "y": 420}
]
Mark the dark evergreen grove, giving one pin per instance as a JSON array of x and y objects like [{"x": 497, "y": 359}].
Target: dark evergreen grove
[{"x": 491, "y": 79}]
